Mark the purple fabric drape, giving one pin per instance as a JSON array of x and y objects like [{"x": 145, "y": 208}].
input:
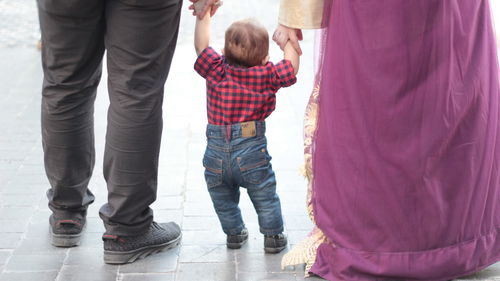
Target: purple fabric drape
[{"x": 406, "y": 155}]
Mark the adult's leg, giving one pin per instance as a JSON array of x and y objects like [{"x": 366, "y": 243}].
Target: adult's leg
[
  {"x": 72, "y": 50},
  {"x": 140, "y": 41}
]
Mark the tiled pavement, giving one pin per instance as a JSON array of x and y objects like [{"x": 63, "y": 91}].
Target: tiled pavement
[{"x": 25, "y": 253}]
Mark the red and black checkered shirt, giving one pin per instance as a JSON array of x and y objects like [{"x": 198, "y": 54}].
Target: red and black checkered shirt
[{"x": 237, "y": 94}]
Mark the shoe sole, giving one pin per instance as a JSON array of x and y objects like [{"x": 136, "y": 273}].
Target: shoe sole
[
  {"x": 118, "y": 257},
  {"x": 65, "y": 240},
  {"x": 235, "y": 245},
  {"x": 274, "y": 250}
]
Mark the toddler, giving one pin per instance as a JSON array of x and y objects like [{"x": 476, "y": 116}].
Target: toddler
[{"x": 241, "y": 92}]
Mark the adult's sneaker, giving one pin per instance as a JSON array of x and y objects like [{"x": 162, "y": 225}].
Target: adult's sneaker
[
  {"x": 65, "y": 232},
  {"x": 127, "y": 249}
]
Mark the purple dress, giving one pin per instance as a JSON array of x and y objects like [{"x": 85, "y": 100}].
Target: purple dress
[{"x": 406, "y": 155}]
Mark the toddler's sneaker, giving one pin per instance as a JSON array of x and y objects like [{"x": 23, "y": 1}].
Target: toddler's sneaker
[
  {"x": 274, "y": 244},
  {"x": 237, "y": 240}
]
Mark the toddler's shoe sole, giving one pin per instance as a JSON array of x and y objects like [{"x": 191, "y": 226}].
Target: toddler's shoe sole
[
  {"x": 235, "y": 246},
  {"x": 274, "y": 250},
  {"x": 120, "y": 257}
]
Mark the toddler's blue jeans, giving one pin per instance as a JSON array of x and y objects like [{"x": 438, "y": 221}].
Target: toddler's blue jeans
[{"x": 237, "y": 156}]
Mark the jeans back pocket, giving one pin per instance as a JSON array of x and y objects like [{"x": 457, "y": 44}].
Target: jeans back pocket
[
  {"x": 213, "y": 171},
  {"x": 254, "y": 166}
]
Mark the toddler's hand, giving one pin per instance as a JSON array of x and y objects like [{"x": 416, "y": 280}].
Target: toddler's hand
[
  {"x": 198, "y": 6},
  {"x": 284, "y": 34},
  {"x": 201, "y": 7}
]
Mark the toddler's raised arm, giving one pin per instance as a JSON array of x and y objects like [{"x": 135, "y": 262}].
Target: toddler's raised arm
[{"x": 202, "y": 33}]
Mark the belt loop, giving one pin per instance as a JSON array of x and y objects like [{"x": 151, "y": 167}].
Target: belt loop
[{"x": 228, "y": 133}]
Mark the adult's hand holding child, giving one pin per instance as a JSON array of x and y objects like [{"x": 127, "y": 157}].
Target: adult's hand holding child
[{"x": 201, "y": 7}]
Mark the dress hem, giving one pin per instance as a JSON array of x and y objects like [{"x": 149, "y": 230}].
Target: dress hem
[{"x": 336, "y": 263}]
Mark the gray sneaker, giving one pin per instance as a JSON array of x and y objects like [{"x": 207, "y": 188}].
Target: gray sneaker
[
  {"x": 127, "y": 249},
  {"x": 65, "y": 232},
  {"x": 274, "y": 244},
  {"x": 237, "y": 240}
]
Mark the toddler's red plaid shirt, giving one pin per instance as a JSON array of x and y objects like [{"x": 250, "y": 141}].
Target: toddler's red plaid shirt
[{"x": 235, "y": 94}]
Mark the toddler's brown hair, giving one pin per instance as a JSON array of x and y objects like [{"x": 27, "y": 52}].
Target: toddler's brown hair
[{"x": 246, "y": 43}]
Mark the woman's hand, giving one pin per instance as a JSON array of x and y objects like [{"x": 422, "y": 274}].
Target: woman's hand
[
  {"x": 201, "y": 7},
  {"x": 283, "y": 34}
]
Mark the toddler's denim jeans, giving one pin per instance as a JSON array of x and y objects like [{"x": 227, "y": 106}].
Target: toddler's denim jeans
[{"x": 236, "y": 156}]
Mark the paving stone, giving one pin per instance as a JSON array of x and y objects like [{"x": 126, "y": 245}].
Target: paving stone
[
  {"x": 166, "y": 215},
  {"x": 148, "y": 277},
  {"x": 92, "y": 240},
  {"x": 300, "y": 277},
  {"x": 38, "y": 228},
  {"x": 36, "y": 168},
  {"x": 206, "y": 271},
  {"x": 290, "y": 208},
  {"x": 18, "y": 200},
  {"x": 195, "y": 179},
  {"x": 9, "y": 240},
  {"x": 206, "y": 253},
  {"x": 200, "y": 209},
  {"x": 203, "y": 237},
  {"x": 295, "y": 236},
  {"x": 38, "y": 244},
  {"x": 291, "y": 180},
  {"x": 159, "y": 263},
  {"x": 265, "y": 276},
  {"x": 176, "y": 172},
  {"x": 29, "y": 276},
  {"x": 168, "y": 188},
  {"x": 259, "y": 262},
  {"x": 93, "y": 210},
  {"x": 196, "y": 184},
  {"x": 4, "y": 256},
  {"x": 13, "y": 226},
  {"x": 94, "y": 225},
  {"x": 491, "y": 273},
  {"x": 200, "y": 195},
  {"x": 294, "y": 197},
  {"x": 86, "y": 273},
  {"x": 168, "y": 202},
  {"x": 298, "y": 222},
  {"x": 24, "y": 187},
  {"x": 298, "y": 269},
  {"x": 13, "y": 213},
  {"x": 51, "y": 261},
  {"x": 200, "y": 223},
  {"x": 171, "y": 180},
  {"x": 91, "y": 257}
]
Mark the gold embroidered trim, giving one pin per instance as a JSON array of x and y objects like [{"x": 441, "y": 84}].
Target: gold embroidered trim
[{"x": 305, "y": 251}]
